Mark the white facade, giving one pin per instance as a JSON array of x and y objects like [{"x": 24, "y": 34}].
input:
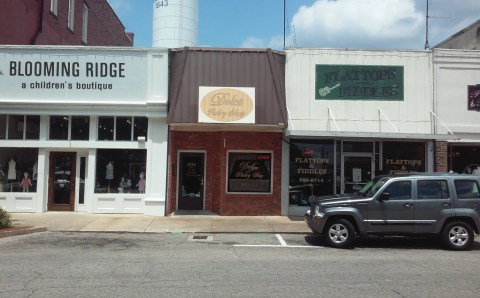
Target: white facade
[
  {"x": 408, "y": 116},
  {"x": 355, "y": 114},
  {"x": 123, "y": 85},
  {"x": 175, "y": 23},
  {"x": 455, "y": 70}
]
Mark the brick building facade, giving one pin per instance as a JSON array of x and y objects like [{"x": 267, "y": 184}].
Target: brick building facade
[{"x": 54, "y": 22}]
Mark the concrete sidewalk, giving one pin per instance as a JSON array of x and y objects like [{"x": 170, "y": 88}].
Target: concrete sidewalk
[{"x": 139, "y": 223}]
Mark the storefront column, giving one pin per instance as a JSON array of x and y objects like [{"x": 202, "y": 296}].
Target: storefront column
[
  {"x": 42, "y": 181},
  {"x": 285, "y": 177},
  {"x": 156, "y": 167},
  {"x": 441, "y": 156},
  {"x": 90, "y": 180}
]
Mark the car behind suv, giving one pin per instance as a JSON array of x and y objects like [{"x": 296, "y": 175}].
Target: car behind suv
[{"x": 421, "y": 204}]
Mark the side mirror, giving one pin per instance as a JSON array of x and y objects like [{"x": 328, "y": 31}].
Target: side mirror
[{"x": 384, "y": 196}]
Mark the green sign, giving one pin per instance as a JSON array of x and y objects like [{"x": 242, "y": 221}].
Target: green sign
[{"x": 359, "y": 82}]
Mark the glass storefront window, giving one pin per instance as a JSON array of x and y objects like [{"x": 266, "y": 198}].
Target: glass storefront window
[
  {"x": 3, "y": 127},
  {"x": 32, "y": 131},
  {"x": 403, "y": 157},
  {"x": 16, "y": 125},
  {"x": 311, "y": 170},
  {"x": 140, "y": 127},
  {"x": 106, "y": 126},
  {"x": 59, "y": 127},
  {"x": 464, "y": 159},
  {"x": 18, "y": 169},
  {"x": 124, "y": 129},
  {"x": 80, "y": 127},
  {"x": 249, "y": 172},
  {"x": 120, "y": 171},
  {"x": 357, "y": 147},
  {"x": 19, "y": 127}
]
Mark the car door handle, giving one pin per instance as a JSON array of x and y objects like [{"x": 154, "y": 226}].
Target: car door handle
[
  {"x": 446, "y": 204},
  {"x": 408, "y": 205}
]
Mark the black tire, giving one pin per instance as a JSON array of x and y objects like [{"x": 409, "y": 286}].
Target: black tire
[
  {"x": 457, "y": 235},
  {"x": 339, "y": 233}
]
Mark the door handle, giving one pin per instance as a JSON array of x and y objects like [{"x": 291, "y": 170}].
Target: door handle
[
  {"x": 446, "y": 204},
  {"x": 408, "y": 205}
]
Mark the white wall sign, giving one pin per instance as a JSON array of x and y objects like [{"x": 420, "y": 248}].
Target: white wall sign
[
  {"x": 73, "y": 75},
  {"x": 226, "y": 105}
]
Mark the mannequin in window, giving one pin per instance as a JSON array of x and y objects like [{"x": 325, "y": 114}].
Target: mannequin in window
[
  {"x": 12, "y": 173},
  {"x": 26, "y": 183},
  {"x": 109, "y": 173},
  {"x": 35, "y": 170},
  {"x": 141, "y": 183}
]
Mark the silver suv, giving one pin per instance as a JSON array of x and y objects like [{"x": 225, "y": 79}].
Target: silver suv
[{"x": 421, "y": 204}]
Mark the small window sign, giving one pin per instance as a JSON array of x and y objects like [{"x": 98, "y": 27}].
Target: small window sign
[{"x": 474, "y": 97}]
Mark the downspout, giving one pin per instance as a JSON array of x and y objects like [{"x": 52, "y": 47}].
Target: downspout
[{"x": 40, "y": 25}]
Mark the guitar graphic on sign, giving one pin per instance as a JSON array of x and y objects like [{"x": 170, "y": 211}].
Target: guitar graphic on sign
[{"x": 326, "y": 90}]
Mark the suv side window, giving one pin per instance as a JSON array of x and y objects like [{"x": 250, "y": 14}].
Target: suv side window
[
  {"x": 467, "y": 189},
  {"x": 432, "y": 189},
  {"x": 399, "y": 190}
]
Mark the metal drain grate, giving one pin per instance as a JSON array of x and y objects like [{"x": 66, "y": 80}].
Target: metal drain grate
[{"x": 200, "y": 237}]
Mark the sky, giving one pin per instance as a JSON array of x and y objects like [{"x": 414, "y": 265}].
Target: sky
[{"x": 360, "y": 24}]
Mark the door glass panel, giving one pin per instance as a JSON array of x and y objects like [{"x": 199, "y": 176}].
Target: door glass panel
[
  {"x": 191, "y": 181},
  {"x": 357, "y": 172},
  {"x": 81, "y": 191},
  {"x": 62, "y": 179}
]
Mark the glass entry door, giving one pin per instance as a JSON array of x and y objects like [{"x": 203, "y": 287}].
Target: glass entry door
[
  {"x": 191, "y": 181},
  {"x": 61, "y": 182},
  {"x": 357, "y": 170}
]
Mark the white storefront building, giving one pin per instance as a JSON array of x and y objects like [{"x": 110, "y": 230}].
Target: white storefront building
[
  {"x": 457, "y": 98},
  {"x": 83, "y": 129},
  {"x": 355, "y": 114}
]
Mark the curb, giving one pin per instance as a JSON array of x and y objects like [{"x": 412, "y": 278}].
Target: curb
[{"x": 25, "y": 231}]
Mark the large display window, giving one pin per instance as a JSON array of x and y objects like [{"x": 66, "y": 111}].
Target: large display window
[
  {"x": 403, "y": 157},
  {"x": 120, "y": 171},
  {"x": 250, "y": 172},
  {"x": 122, "y": 128},
  {"x": 311, "y": 170},
  {"x": 18, "y": 169}
]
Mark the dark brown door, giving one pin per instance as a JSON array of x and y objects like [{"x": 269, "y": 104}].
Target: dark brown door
[
  {"x": 61, "y": 183},
  {"x": 191, "y": 180}
]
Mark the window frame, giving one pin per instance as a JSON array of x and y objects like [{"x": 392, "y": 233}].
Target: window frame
[
  {"x": 71, "y": 15},
  {"x": 54, "y": 7},
  {"x": 85, "y": 23}
]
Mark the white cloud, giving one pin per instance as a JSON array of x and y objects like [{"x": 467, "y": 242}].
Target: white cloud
[
  {"x": 358, "y": 24},
  {"x": 275, "y": 42}
]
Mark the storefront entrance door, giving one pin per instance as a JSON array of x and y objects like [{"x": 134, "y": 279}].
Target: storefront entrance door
[
  {"x": 191, "y": 181},
  {"x": 61, "y": 183},
  {"x": 357, "y": 171}
]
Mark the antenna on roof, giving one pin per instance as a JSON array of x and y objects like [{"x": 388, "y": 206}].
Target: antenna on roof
[
  {"x": 294, "y": 37},
  {"x": 427, "y": 17}
]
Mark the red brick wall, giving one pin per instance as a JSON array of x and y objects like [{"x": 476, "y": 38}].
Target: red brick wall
[
  {"x": 20, "y": 24},
  {"x": 216, "y": 145},
  {"x": 441, "y": 156}
]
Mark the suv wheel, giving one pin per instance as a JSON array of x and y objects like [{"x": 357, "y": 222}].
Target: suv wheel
[
  {"x": 457, "y": 235},
  {"x": 339, "y": 233}
]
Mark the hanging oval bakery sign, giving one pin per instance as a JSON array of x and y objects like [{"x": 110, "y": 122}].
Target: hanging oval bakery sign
[{"x": 226, "y": 105}]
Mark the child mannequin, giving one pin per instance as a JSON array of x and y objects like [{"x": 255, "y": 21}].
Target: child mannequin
[
  {"x": 26, "y": 183},
  {"x": 141, "y": 183}
]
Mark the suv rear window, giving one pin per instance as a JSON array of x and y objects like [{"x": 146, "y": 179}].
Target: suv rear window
[
  {"x": 467, "y": 189},
  {"x": 432, "y": 189}
]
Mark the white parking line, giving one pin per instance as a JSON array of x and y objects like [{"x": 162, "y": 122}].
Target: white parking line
[
  {"x": 283, "y": 244},
  {"x": 280, "y": 239}
]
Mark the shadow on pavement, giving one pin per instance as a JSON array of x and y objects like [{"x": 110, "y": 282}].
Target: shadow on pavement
[{"x": 391, "y": 242}]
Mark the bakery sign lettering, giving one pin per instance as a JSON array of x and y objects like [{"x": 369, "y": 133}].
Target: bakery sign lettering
[
  {"x": 359, "y": 82},
  {"x": 474, "y": 97},
  {"x": 226, "y": 105}
]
